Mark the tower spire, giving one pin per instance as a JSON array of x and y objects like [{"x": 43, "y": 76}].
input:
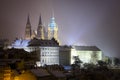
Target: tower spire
[
  {"x": 40, "y": 21},
  {"x": 28, "y": 19},
  {"x": 52, "y": 28},
  {"x": 28, "y": 31},
  {"x": 40, "y": 29}
]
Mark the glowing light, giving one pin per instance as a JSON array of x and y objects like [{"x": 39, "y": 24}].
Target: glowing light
[
  {"x": 52, "y": 23},
  {"x": 20, "y": 43},
  {"x": 86, "y": 56},
  {"x": 73, "y": 53}
]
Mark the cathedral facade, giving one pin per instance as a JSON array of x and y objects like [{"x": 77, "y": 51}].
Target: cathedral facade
[
  {"x": 46, "y": 44},
  {"x": 43, "y": 42},
  {"x": 41, "y": 32}
]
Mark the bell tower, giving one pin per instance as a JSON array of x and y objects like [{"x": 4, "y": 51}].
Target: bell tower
[
  {"x": 28, "y": 31},
  {"x": 40, "y": 29},
  {"x": 53, "y": 29}
]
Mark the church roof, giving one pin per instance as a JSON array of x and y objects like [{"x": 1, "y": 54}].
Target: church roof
[
  {"x": 40, "y": 42},
  {"x": 19, "y": 43},
  {"x": 87, "y": 48}
]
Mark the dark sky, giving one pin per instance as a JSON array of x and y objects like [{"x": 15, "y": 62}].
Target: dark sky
[{"x": 83, "y": 22}]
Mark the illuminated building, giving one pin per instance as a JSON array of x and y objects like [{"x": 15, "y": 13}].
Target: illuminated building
[
  {"x": 53, "y": 29},
  {"x": 41, "y": 33},
  {"x": 1, "y": 73},
  {"x": 87, "y": 54},
  {"x": 25, "y": 75},
  {"x": 28, "y": 31},
  {"x": 48, "y": 47},
  {"x": 48, "y": 51},
  {"x": 40, "y": 30},
  {"x": 6, "y": 68},
  {"x": 7, "y": 73}
]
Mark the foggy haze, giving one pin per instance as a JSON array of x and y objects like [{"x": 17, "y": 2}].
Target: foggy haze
[{"x": 80, "y": 22}]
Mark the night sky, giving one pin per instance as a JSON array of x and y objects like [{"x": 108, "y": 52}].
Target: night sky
[{"x": 80, "y": 22}]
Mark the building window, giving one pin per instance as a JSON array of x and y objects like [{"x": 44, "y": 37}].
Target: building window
[{"x": 42, "y": 60}]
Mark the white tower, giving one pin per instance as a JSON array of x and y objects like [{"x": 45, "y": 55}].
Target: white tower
[
  {"x": 53, "y": 29},
  {"x": 28, "y": 31}
]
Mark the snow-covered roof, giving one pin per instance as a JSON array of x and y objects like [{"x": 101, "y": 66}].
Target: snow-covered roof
[{"x": 20, "y": 43}]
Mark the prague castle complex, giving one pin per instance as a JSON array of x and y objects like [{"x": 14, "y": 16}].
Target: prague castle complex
[
  {"x": 40, "y": 33},
  {"x": 46, "y": 44},
  {"x": 39, "y": 54}
]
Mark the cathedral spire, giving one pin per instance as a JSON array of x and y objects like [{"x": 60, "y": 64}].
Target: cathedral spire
[
  {"x": 28, "y": 19},
  {"x": 28, "y": 31},
  {"x": 40, "y": 21},
  {"x": 40, "y": 29},
  {"x": 52, "y": 29},
  {"x": 52, "y": 22}
]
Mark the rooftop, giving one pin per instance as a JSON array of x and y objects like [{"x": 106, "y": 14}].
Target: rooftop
[
  {"x": 40, "y": 72},
  {"x": 87, "y": 48},
  {"x": 40, "y": 42}
]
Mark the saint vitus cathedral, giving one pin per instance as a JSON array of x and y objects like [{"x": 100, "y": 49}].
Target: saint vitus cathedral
[
  {"x": 41, "y": 32},
  {"x": 46, "y": 45},
  {"x": 44, "y": 42}
]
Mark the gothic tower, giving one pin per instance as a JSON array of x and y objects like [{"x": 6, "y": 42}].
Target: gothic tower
[
  {"x": 28, "y": 31},
  {"x": 53, "y": 29},
  {"x": 40, "y": 29}
]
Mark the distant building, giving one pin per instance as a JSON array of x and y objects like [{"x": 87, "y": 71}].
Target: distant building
[
  {"x": 40, "y": 30},
  {"x": 28, "y": 30},
  {"x": 87, "y": 54},
  {"x": 41, "y": 33},
  {"x": 5, "y": 73},
  {"x": 48, "y": 50},
  {"x": 53, "y": 29},
  {"x": 6, "y": 68},
  {"x": 46, "y": 44},
  {"x": 4, "y": 43},
  {"x": 65, "y": 55}
]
